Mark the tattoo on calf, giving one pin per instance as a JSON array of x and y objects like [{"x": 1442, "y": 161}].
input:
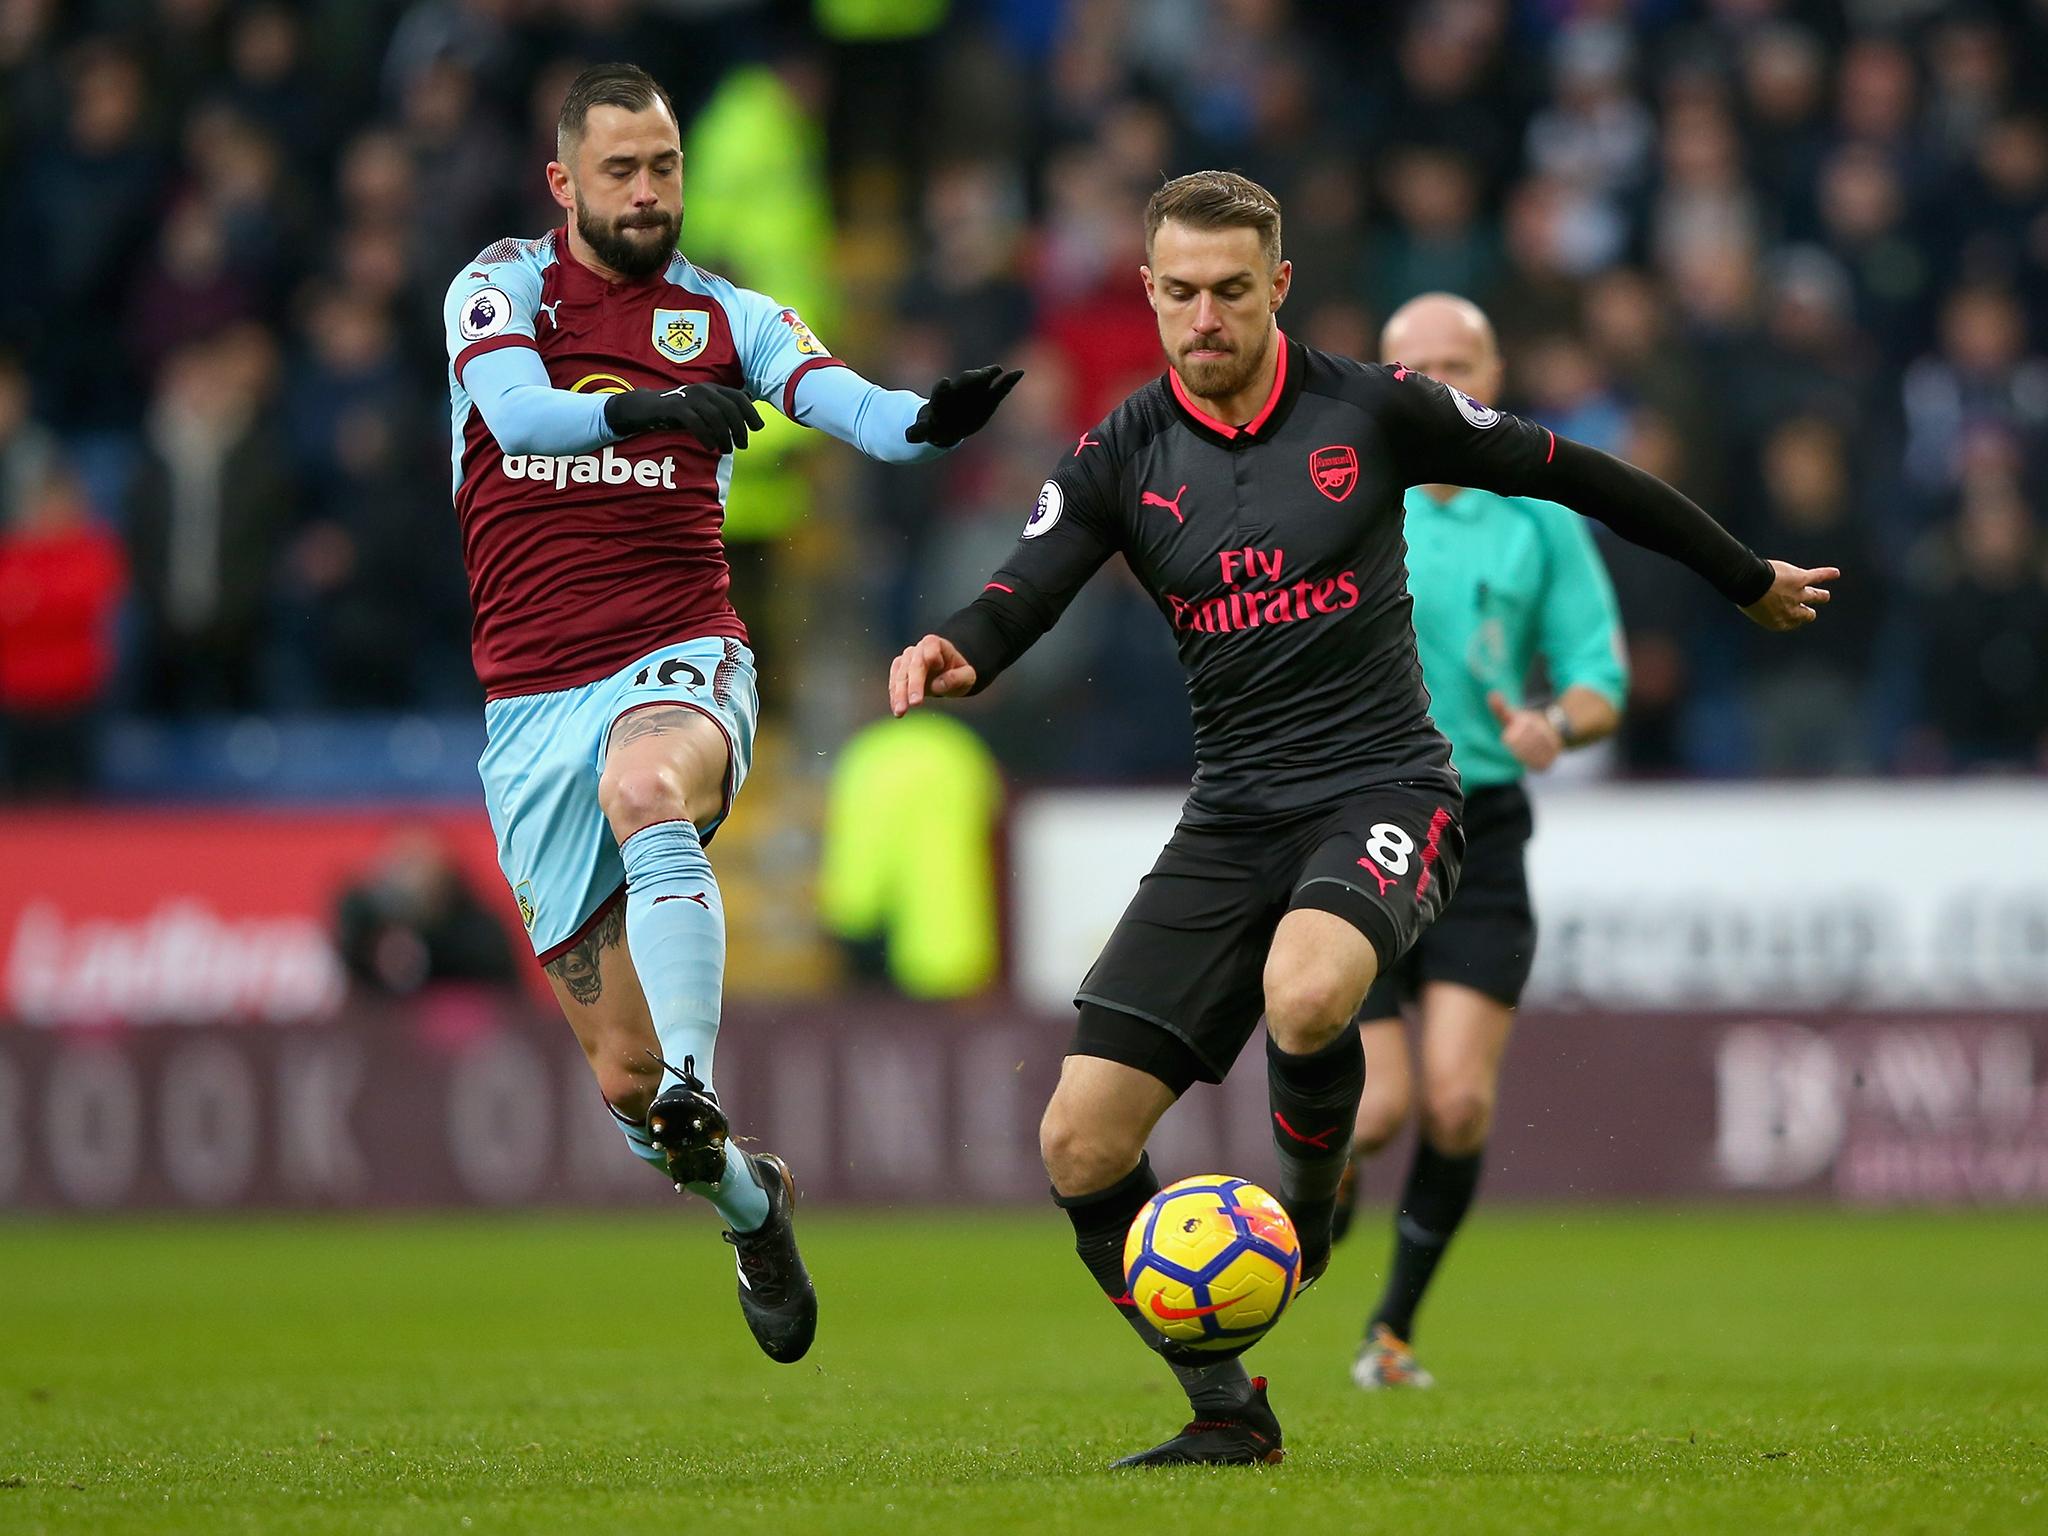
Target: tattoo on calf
[{"x": 579, "y": 970}]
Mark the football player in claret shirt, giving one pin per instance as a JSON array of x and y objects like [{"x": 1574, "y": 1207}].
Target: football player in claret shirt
[
  {"x": 600, "y": 386},
  {"x": 1255, "y": 490}
]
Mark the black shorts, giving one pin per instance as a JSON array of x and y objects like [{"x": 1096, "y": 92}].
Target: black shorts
[
  {"x": 1188, "y": 958},
  {"x": 1486, "y": 939}
]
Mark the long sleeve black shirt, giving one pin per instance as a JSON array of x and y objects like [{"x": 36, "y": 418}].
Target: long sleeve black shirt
[{"x": 1275, "y": 552}]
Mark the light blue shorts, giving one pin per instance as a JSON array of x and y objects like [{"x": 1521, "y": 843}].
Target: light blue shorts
[{"x": 541, "y": 764}]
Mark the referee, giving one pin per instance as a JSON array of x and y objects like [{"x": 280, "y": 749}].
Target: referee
[{"x": 1497, "y": 582}]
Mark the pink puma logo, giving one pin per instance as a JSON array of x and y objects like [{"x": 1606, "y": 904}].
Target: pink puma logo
[
  {"x": 1086, "y": 442},
  {"x": 1320, "y": 1140},
  {"x": 1149, "y": 499},
  {"x": 1373, "y": 869}
]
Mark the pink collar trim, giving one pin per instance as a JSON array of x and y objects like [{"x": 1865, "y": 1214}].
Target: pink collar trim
[{"x": 1224, "y": 429}]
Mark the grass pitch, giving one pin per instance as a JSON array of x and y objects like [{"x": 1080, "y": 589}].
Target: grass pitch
[{"x": 1697, "y": 1371}]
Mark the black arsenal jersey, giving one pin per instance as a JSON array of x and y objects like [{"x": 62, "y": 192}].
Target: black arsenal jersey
[{"x": 1275, "y": 552}]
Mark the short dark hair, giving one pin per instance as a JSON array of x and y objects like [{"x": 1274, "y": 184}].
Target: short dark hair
[
  {"x": 606, "y": 85},
  {"x": 1217, "y": 200}
]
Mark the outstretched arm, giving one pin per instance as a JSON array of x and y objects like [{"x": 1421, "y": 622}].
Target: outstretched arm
[
  {"x": 786, "y": 364},
  {"x": 1646, "y": 511},
  {"x": 898, "y": 426},
  {"x": 1067, "y": 537},
  {"x": 1447, "y": 438}
]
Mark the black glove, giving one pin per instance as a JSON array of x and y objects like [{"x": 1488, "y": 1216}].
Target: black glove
[
  {"x": 717, "y": 415},
  {"x": 960, "y": 406}
]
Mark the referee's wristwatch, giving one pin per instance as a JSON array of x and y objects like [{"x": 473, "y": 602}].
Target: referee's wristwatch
[{"x": 1560, "y": 721}]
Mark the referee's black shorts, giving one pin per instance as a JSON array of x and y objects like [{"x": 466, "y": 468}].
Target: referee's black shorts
[
  {"x": 1179, "y": 988},
  {"x": 1486, "y": 939}
]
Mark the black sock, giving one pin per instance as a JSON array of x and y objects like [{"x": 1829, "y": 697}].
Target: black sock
[
  {"x": 1314, "y": 1099},
  {"x": 1438, "y": 1193},
  {"x": 1101, "y": 1223},
  {"x": 1103, "y": 1220}
]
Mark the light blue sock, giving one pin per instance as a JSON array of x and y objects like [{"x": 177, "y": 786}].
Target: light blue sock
[{"x": 675, "y": 931}]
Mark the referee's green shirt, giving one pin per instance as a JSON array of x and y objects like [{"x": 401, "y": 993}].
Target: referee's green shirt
[{"x": 1498, "y": 580}]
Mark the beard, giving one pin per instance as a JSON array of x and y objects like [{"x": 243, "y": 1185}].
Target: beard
[
  {"x": 633, "y": 244},
  {"x": 1218, "y": 378}
]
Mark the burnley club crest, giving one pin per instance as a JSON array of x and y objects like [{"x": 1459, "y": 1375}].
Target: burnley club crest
[{"x": 680, "y": 334}]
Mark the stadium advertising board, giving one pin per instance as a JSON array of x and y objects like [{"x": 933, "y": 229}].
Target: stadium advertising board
[
  {"x": 1681, "y": 899},
  {"x": 1891, "y": 1109},
  {"x": 188, "y": 917},
  {"x": 471, "y": 1098}
]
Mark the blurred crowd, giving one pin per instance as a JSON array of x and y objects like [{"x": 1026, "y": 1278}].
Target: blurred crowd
[{"x": 1791, "y": 256}]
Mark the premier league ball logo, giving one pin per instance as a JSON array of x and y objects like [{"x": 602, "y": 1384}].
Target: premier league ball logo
[
  {"x": 488, "y": 312},
  {"x": 1051, "y": 502},
  {"x": 1481, "y": 416}
]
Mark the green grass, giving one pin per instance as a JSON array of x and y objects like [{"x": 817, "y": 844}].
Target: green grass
[{"x": 1602, "y": 1371}]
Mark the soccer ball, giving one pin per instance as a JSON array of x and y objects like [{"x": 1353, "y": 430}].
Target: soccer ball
[{"x": 1212, "y": 1262}]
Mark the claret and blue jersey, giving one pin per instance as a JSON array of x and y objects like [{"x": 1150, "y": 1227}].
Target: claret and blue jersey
[
  {"x": 585, "y": 551},
  {"x": 597, "y": 565}
]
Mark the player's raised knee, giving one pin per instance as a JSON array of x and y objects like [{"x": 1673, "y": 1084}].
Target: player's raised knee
[
  {"x": 1458, "y": 1119},
  {"x": 1308, "y": 1006},
  {"x": 641, "y": 795},
  {"x": 1084, "y": 1154}
]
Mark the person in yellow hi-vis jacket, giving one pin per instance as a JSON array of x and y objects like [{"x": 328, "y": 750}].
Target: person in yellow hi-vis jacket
[
  {"x": 760, "y": 211},
  {"x": 920, "y": 887}
]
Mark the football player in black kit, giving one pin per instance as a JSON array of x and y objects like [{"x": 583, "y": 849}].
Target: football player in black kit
[{"x": 1255, "y": 489}]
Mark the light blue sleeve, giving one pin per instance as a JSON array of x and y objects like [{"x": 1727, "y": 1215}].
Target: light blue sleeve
[
  {"x": 491, "y": 302},
  {"x": 841, "y": 402},
  {"x": 1579, "y": 632},
  {"x": 488, "y": 316},
  {"x": 526, "y": 413},
  {"x": 776, "y": 348}
]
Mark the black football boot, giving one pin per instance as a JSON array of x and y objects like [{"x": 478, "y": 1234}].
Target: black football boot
[
  {"x": 776, "y": 1294},
  {"x": 1246, "y": 1438}
]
